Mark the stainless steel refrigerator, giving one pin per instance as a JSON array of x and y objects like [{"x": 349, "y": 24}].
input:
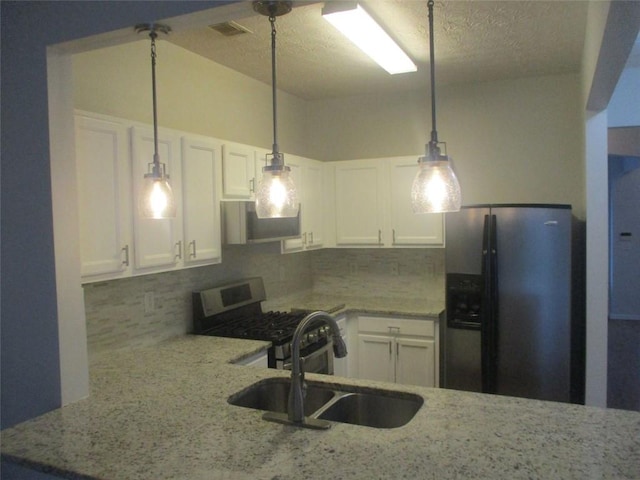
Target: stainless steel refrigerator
[{"x": 513, "y": 325}]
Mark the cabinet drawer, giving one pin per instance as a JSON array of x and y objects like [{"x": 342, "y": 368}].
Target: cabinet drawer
[{"x": 396, "y": 326}]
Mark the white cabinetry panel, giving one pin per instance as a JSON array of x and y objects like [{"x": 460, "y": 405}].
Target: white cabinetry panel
[
  {"x": 238, "y": 171},
  {"x": 397, "y": 350},
  {"x": 201, "y": 212},
  {"x": 358, "y": 203},
  {"x": 158, "y": 242},
  {"x": 308, "y": 177},
  {"x": 408, "y": 228},
  {"x": 373, "y": 205},
  {"x": 104, "y": 189}
]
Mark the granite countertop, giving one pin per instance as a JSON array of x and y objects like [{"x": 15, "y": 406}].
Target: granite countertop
[
  {"x": 161, "y": 412},
  {"x": 335, "y": 304}
]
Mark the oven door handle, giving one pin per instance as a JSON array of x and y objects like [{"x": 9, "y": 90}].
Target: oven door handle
[{"x": 312, "y": 355}]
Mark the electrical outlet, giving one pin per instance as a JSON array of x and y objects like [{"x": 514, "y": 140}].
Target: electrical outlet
[{"x": 149, "y": 302}]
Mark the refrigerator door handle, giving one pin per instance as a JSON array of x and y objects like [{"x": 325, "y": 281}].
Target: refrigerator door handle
[
  {"x": 485, "y": 310},
  {"x": 494, "y": 298},
  {"x": 489, "y": 308}
]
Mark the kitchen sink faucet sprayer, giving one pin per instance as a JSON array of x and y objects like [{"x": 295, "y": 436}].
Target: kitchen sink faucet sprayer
[{"x": 295, "y": 415}]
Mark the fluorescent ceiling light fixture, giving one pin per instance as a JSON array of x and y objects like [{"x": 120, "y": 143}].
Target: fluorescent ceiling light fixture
[{"x": 358, "y": 26}]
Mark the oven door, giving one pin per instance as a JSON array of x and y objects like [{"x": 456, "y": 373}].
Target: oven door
[{"x": 316, "y": 360}]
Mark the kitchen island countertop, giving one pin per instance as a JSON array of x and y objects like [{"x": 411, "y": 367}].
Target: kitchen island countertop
[{"x": 161, "y": 412}]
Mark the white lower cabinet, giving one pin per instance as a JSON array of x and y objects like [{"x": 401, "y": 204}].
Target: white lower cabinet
[{"x": 397, "y": 350}]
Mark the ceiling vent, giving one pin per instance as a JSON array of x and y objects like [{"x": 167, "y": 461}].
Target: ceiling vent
[{"x": 229, "y": 29}]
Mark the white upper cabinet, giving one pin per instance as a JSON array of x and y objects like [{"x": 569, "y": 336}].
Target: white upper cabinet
[
  {"x": 314, "y": 183},
  {"x": 158, "y": 242},
  {"x": 104, "y": 190},
  {"x": 408, "y": 228},
  {"x": 201, "y": 171},
  {"x": 373, "y": 205},
  {"x": 309, "y": 178},
  {"x": 359, "y": 202},
  {"x": 238, "y": 171}
]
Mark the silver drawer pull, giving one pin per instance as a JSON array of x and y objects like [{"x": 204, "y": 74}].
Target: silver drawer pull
[{"x": 125, "y": 249}]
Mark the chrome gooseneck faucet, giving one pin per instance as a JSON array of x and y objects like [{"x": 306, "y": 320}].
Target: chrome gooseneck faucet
[{"x": 295, "y": 414}]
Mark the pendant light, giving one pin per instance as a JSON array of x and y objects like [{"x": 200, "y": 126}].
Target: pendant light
[
  {"x": 276, "y": 196},
  {"x": 435, "y": 187},
  {"x": 156, "y": 198}
]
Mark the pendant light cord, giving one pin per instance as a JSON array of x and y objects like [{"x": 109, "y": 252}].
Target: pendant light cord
[
  {"x": 272, "y": 20},
  {"x": 156, "y": 158},
  {"x": 433, "y": 144}
]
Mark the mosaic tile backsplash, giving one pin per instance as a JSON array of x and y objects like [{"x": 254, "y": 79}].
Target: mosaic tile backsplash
[{"x": 115, "y": 310}]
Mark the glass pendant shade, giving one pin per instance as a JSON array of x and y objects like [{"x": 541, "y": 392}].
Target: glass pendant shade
[
  {"x": 276, "y": 196},
  {"x": 156, "y": 198},
  {"x": 435, "y": 188}
]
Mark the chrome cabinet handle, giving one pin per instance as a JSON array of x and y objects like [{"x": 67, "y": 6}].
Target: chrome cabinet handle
[
  {"x": 125, "y": 249},
  {"x": 311, "y": 238},
  {"x": 192, "y": 245},
  {"x": 252, "y": 185},
  {"x": 393, "y": 236},
  {"x": 179, "y": 247},
  {"x": 390, "y": 353},
  {"x": 379, "y": 237}
]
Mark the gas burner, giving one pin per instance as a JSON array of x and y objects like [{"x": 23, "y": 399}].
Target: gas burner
[{"x": 234, "y": 310}]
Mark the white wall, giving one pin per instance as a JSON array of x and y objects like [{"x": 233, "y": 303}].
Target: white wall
[
  {"x": 194, "y": 95},
  {"x": 624, "y": 107}
]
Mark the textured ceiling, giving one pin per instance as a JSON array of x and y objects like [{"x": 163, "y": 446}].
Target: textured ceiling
[{"x": 475, "y": 41}]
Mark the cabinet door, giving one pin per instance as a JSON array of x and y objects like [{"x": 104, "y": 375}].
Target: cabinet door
[
  {"x": 358, "y": 203},
  {"x": 103, "y": 166},
  {"x": 313, "y": 207},
  {"x": 415, "y": 361},
  {"x": 375, "y": 357},
  {"x": 201, "y": 205},
  {"x": 238, "y": 171},
  {"x": 408, "y": 228},
  {"x": 158, "y": 242},
  {"x": 308, "y": 177},
  {"x": 297, "y": 244}
]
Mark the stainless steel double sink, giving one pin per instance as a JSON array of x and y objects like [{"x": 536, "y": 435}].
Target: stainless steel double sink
[{"x": 369, "y": 407}]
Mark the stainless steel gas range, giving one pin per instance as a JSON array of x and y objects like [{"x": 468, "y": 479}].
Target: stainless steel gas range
[{"x": 235, "y": 310}]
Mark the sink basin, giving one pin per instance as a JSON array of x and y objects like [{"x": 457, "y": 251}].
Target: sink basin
[
  {"x": 373, "y": 410},
  {"x": 272, "y": 395},
  {"x": 368, "y": 407}
]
